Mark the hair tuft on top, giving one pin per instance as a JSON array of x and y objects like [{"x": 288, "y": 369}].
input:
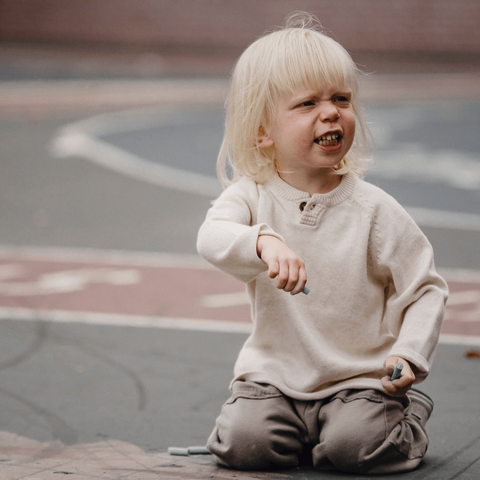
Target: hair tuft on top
[
  {"x": 299, "y": 55},
  {"x": 300, "y": 19}
]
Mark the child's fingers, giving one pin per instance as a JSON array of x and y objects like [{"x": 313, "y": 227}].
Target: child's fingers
[
  {"x": 302, "y": 280},
  {"x": 283, "y": 274},
  {"x": 395, "y": 389},
  {"x": 389, "y": 369},
  {"x": 273, "y": 268},
  {"x": 282, "y": 263},
  {"x": 292, "y": 276},
  {"x": 400, "y": 386}
]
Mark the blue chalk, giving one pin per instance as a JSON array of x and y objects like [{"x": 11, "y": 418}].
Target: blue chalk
[
  {"x": 396, "y": 373},
  {"x": 178, "y": 451},
  {"x": 306, "y": 290},
  {"x": 198, "y": 451}
]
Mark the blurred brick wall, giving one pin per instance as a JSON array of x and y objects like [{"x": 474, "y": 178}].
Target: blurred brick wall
[{"x": 360, "y": 25}]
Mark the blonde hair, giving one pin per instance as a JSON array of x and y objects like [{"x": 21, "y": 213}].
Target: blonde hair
[{"x": 276, "y": 65}]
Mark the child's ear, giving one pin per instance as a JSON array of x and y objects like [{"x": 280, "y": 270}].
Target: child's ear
[{"x": 263, "y": 140}]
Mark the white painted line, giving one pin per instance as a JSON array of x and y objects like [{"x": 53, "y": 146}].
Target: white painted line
[
  {"x": 72, "y": 144},
  {"x": 81, "y": 94},
  {"x": 81, "y": 139},
  {"x": 225, "y": 300},
  {"x": 460, "y": 274},
  {"x": 115, "y": 320},
  {"x": 107, "y": 257},
  {"x": 131, "y": 120},
  {"x": 119, "y": 257},
  {"x": 445, "y": 219},
  {"x": 192, "y": 324},
  {"x": 416, "y": 162},
  {"x": 384, "y": 89},
  {"x": 470, "y": 316},
  {"x": 463, "y": 298},
  {"x": 448, "y": 339},
  {"x": 157, "y": 259},
  {"x": 65, "y": 281}
]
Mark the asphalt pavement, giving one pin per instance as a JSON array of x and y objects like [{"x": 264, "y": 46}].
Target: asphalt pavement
[{"x": 116, "y": 340}]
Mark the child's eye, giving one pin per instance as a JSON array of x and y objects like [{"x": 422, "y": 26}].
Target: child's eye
[
  {"x": 308, "y": 103},
  {"x": 342, "y": 99}
]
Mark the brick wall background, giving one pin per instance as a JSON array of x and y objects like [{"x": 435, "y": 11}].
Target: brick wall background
[{"x": 434, "y": 26}]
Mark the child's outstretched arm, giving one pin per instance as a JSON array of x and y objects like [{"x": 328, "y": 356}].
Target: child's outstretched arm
[
  {"x": 402, "y": 385},
  {"x": 283, "y": 263},
  {"x": 228, "y": 236}
]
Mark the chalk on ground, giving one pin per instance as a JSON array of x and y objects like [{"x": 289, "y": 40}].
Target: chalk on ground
[{"x": 178, "y": 451}]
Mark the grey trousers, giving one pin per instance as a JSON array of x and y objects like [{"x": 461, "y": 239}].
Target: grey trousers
[{"x": 356, "y": 431}]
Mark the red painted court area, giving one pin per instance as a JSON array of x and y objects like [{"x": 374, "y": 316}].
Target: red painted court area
[
  {"x": 123, "y": 289},
  {"x": 165, "y": 289}
]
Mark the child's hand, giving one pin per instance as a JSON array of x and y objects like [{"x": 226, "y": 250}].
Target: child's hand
[
  {"x": 282, "y": 263},
  {"x": 402, "y": 385}
]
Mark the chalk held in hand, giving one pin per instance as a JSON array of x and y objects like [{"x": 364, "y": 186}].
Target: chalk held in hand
[
  {"x": 306, "y": 290},
  {"x": 185, "y": 452},
  {"x": 396, "y": 373},
  {"x": 198, "y": 451}
]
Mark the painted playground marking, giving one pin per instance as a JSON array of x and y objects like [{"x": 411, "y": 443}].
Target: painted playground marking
[
  {"x": 149, "y": 290},
  {"x": 83, "y": 139}
]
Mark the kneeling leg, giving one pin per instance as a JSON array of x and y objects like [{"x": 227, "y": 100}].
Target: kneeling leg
[
  {"x": 257, "y": 429},
  {"x": 366, "y": 431}
]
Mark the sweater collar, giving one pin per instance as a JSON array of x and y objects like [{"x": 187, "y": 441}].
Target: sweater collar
[{"x": 336, "y": 196}]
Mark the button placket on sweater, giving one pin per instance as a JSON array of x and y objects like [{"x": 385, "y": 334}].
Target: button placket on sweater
[
  {"x": 303, "y": 203},
  {"x": 309, "y": 212}
]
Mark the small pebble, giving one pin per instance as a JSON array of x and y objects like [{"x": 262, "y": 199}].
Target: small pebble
[{"x": 472, "y": 354}]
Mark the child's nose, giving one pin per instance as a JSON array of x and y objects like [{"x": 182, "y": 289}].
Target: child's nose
[{"x": 329, "y": 112}]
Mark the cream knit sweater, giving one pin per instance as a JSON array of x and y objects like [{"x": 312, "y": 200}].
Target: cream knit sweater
[{"x": 374, "y": 289}]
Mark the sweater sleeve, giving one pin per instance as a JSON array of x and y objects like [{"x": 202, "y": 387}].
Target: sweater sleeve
[
  {"x": 228, "y": 236},
  {"x": 415, "y": 294}
]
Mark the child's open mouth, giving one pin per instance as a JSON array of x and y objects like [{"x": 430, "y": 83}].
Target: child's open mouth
[{"x": 329, "y": 139}]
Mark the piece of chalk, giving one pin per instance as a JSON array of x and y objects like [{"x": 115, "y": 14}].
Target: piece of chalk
[
  {"x": 178, "y": 451},
  {"x": 306, "y": 290},
  {"x": 198, "y": 451},
  {"x": 396, "y": 373}
]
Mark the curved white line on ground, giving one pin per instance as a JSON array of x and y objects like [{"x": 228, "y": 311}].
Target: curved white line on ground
[
  {"x": 72, "y": 144},
  {"x": 80, "y": 139},
  {"x": 444, "y": 219},
  {"x": 415, "y": 162}
]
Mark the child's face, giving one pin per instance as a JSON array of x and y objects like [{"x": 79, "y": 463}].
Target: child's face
[{"x": 313, "y": 131}]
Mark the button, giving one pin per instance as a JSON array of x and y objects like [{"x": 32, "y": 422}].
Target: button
[
  {"x": 302, "y": 206},
  {"x": 312, "y": 206}
]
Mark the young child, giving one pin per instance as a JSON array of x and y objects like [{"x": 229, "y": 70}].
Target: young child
[{"x": 315, "y": 372}]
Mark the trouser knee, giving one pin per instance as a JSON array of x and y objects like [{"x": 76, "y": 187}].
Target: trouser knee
[
  {"x": 367, "y": 432},
  {"x": 241, "y": 449},
  {"x": 256, "y": 429}
]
